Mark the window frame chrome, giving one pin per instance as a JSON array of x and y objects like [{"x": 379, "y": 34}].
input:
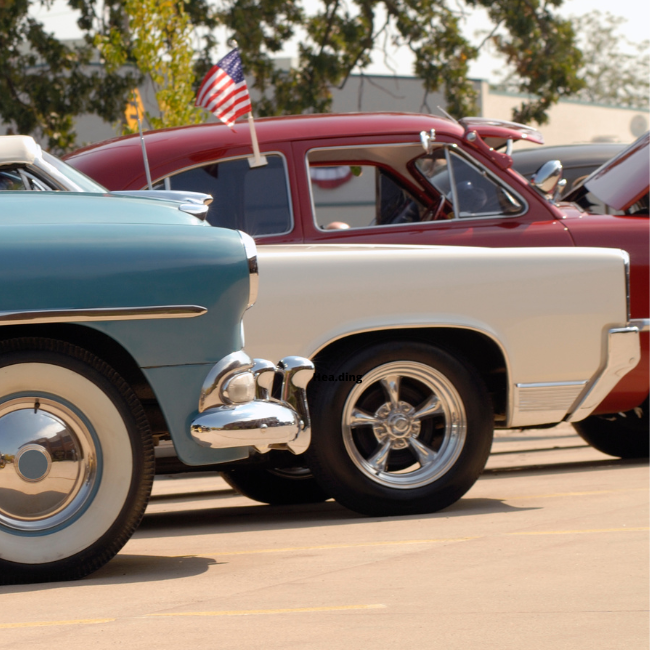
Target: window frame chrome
[
  {"x": 423, "y": 182},
  {"x": 166, "y": 180},
  {"x": 482, "y": 169}
]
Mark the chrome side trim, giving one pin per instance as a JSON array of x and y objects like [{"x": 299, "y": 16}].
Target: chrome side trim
[
  {"x": 642, "y": 324},
  {"x": 547, "y": 401},
  {"x": 626, "y": 261},
  {"x": 99, "y": 314},
  {"x": 622, "y": 354},
  {"x": 253, "y": 268},
  {"x": 550, "y": 396}
]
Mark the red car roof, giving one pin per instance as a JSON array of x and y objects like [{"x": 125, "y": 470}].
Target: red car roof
[{"x": 202, "y": 142}]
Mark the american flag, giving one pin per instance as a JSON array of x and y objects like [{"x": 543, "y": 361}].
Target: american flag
[{"x": 223, "y": 91}]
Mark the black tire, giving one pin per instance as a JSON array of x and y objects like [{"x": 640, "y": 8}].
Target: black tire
[
  {"x": 277, "y": 487},
  {"x": 66, "y": 413},
  {"x": 625, "y": 435},
  {"x": 369, "y": 467}
]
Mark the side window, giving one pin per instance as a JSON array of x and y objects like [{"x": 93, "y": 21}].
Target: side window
[
  {"x": 255, "y": 200},
  {"x": 10, "y": 180},
  {"x": 16, "y": 178},
  {"x": 470, "y": 189},
  {"x": 360, "y": 196}
]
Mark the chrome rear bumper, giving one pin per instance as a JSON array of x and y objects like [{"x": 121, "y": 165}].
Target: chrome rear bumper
[{"x": 623, "y": 354}]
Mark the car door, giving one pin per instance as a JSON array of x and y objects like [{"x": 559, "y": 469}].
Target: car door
[{"x": 379, "y": 191}]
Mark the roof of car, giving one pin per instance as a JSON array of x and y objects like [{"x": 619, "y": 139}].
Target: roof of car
[
  {"x": 204, "y": 142},
  {"x": 293, "y": 127},
  {"x": 18, "y": 149},
  {"x": 197, "y": 144}
]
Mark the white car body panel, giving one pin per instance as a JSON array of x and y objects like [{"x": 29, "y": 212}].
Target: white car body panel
[{"x": 548, "y": 309}]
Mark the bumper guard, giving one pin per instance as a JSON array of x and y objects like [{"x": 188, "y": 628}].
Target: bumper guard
[{"x": 264, "y": 422}]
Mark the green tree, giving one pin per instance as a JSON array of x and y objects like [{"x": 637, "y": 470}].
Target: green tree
[
  {"x": 616, "y": 70},
  {"x": 158, "y": 42},
  {"x": 540, "y": 50},
  {"x": 338, "y": 38},
  {"x": 44, "y": 84}
]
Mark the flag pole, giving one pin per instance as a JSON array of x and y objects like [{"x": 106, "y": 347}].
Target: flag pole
[
  {"x": 144, "y": 149},
  {"x": 256, "y": 160}
]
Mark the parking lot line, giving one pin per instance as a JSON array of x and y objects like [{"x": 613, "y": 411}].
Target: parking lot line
[
  {"x": 554, "y": 495},
  {"x": 85, "y": 621},
  {"x": 243, "y": 612},
  {"x": 327, "y": 547},
  {"x": 253, "y": 612},
  {"x": 584, "y": 532},
  {"x": 409, "y": 542}
]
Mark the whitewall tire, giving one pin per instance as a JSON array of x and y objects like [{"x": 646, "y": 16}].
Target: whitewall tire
[{"x": 76, "y": 462}]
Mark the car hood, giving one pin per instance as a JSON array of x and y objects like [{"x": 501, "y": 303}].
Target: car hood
[
  {"x": 31, "y": 208},
  {"x": 623, "y": 180}
]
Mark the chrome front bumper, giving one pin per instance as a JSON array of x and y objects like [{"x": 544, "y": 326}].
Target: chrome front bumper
[{"x": 263, "y": 423}]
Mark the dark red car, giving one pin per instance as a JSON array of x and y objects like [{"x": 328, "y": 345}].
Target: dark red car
[{"x": 406, "y": 179}]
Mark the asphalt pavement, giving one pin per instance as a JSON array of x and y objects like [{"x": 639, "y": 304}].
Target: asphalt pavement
[{"x": 548, "y": 550}]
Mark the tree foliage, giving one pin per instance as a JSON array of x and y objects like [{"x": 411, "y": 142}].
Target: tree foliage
[
  {"x": 540, "y": 50},
  {"x": 158, "y": 42},
  {"x": 44, "y": 84},
  {"x": 338, "y": 38},
  {"x": 616, "y": 70},
  {"x": 335, "y": 39}
]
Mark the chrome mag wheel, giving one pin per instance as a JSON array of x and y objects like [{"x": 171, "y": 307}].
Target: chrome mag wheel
[
  {"x": 405, "y": 425},
  {"x": 411, "y": 435}
]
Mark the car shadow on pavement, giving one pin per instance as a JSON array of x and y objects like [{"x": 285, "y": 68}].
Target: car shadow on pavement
[
  {"x": 259, "y": 517},
  {"x": 557, "y": 468},
  {"x": 125, "y": 569}
]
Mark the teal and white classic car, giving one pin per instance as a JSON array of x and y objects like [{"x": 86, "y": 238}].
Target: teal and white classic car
[
  {"x": 419, "y": 351},
  {"x": 117, "y": 314}
]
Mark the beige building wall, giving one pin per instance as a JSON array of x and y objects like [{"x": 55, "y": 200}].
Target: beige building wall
[{"x": 573, "y": 122}]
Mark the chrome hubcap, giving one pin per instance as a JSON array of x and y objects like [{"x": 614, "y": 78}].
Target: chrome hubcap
[
  {"x": 48, "y": 464},
  {"x": 396, "y": 424},
  {"x": 405, "y": 425}
]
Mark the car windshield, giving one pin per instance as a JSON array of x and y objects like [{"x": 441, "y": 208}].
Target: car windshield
[{"x": 83, "y": 182}]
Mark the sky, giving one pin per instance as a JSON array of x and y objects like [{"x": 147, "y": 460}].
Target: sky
[{"x": 60, "y": 20}]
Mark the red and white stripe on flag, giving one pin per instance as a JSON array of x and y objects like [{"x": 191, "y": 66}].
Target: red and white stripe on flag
[{"x": 223, "y": 91}]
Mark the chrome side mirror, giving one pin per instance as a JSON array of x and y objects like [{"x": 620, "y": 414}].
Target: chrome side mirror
[{"x": 547, "y": 177}]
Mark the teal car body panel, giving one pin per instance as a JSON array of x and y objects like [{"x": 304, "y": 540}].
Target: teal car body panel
[{"x": 83, "y": 251}]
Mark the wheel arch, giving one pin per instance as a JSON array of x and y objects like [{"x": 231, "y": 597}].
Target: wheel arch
[
  {"x": 109, "y": 350},
  {"x": 481, "y": 350}
]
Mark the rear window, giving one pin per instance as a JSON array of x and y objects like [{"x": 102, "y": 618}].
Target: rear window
[{"x": 255, "y": 200}]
